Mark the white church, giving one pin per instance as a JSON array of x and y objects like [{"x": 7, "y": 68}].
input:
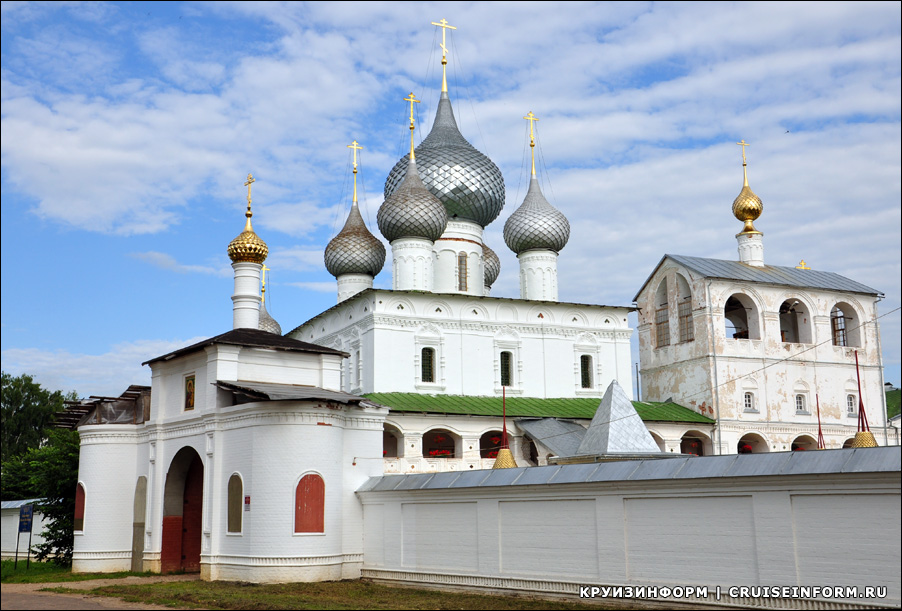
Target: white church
[{"x": 253, "y": 454}]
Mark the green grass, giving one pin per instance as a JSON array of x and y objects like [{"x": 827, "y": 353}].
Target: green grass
[
  {"x": 324, "y": 595},
  {"x": 47, "y": 572}
]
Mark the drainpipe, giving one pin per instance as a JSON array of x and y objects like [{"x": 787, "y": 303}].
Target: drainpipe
[
  {"x": 711, "y": 331},
  {"x": 880, "y": 297}
]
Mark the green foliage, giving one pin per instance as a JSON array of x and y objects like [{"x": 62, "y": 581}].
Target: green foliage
[
  {"x": 15, "y": 484},
  {"x": 54, "y": 473},
  {"x": 893, "y": 400},
  {"x": 26, "y": 410},
  {"x": 49, "y": 572}
]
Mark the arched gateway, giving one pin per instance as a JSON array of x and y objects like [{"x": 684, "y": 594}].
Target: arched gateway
[{"x": 182, "y": 511}]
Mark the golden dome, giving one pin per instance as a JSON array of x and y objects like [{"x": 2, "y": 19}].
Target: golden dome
[
  {"x": 248, "y": 247},
  {"x": 747, "y": 206},
  {"x": 505, "y": 460}
]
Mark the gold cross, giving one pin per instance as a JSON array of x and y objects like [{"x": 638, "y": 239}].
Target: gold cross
[
  {"x": 532, "y": 141},
  {"x": 356, "y": 148},
  {"x": 411, "y": 99},
  {"x": 263, "y": 291},
  {"x": 250, "y": 181},
  {"x": 443, "y": 24},
  {"x": 743, "y": 144}
]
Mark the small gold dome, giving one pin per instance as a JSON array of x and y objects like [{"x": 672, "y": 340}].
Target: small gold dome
[
  {"x": 747, "y": 207},
  {"x": 248, "y": 246}
]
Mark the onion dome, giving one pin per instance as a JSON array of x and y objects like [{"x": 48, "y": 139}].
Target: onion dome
[
  {"x": 354, "y": 250},
  {"x": 491, "y": 263},
  {"x": 268, "y": 323},
  {"x": 536, "y": 224},
  {"x": 467, "y": 182},
  {"x": 747, "y": 206},
  {"x": 411, "y": 211}
]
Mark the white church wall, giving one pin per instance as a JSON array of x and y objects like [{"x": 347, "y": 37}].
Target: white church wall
[
  {"x": 714, "y": 373},
  {"x": 468, "y": 335},
  {"x": 107, "y": 470},
  {"x": 705, "y": 531}
]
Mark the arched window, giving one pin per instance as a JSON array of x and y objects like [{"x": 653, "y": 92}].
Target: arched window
[
  {"x": 687, "y": 328},
  {"x": 748, "y": 402},
  {"x": 233, "y": 504},
  {"x": 489, "y": 444},
  {"x": 439, "y": 443},
  {"x": 391, "y": 438},
  {"x": 427, "y": 365},
  {"x": 507, "y": 369},
  {"x": 462, "y": 271},
  {"x": 801, "y": 404},
  {"x": 79, "y": 523},
  {"x": 851, "y": 405},
  {"x": 662, "y": 316},
  {"x": 844, "y": 326},
  {"x": 795, "y": 327},
  {"x": 310, "y": 505},
  {"x": 740, "y": 318},
  {"x": 585, "y": 371}
]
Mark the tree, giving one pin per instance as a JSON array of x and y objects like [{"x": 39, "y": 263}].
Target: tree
[
  {"x": 26, "y": 412},
  {"x": 54, "y": 472}
]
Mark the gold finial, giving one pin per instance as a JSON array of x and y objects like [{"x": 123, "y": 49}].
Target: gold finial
[
  {"x": 248, "y": 246},
  {"x": 532, "y": 139},
  {"x": 443, "y": 24},
  {"x": 802, "y": 265},
  {"x": 747, "y": 206},
  {"x": 263, "y": 283},
  {"x": 356, "y": 147},
  {"x": 411, "y": 99}
]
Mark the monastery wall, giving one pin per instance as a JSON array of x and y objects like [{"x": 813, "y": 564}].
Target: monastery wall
[{"x": 825, "y": 518}]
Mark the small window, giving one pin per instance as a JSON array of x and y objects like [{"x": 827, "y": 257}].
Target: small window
[
  {"x": 189, "y": 393},
  {"x": 236, "y": 492},
  {"x": 851, "y": 404},
  {"x": 838, "y": 324},
  {"x": 749, "y": 402},
  {"x": 585, "y": 370},
  {"x": 801, "y": 407},
  {"x": 427, "y": 365},
  {"x": 359, "y": 367},
  {"x": 462, "y": 271},
  {"x": 79, "y": 522},
  {"x": 662, "y": 326},
  {"x": 309, "y": 505},
  {"x": 506, "y": 369},
  {"x": 687, "y": 332}
]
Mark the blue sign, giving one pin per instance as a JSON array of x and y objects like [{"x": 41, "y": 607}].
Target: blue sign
[{"x": 26, "y": 518}]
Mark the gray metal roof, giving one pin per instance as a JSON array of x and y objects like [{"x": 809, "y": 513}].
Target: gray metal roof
[
  {"x": 268, "y": 391},
  {"x": 767, "y": 274},
  {"x": 18, "y": 504},
  {"x": 851, "y": 460},
  {"x": 560, "y": 436}
]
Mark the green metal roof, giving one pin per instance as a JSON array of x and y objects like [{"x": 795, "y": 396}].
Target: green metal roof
[{"x": 526, "y": 407}]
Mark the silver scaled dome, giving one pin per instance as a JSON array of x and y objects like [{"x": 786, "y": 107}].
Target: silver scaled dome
[
  {"x": 268, "y": 323},
  {"x": 411, "y": 211},
  {"x": 354, "y": 250},
  {"x": 467, "y": 182},
  {"x": 536, "y": 224},
  {"x": 492, "y": 264}
]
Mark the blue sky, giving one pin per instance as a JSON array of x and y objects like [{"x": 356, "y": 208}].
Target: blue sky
[{"x": 128, "y": 130}]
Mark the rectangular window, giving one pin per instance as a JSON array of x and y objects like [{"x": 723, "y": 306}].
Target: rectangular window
[
  {"x": 800, "y": 404},
  {"x": 427, "y": 365},
  {"x": 687, "y": 333},
  {"x": 585, "y": 370},
  {"x": 851, "y": 404},
  {"x": 662, "y": 327},
  {"x": 506, "y": 369},
  {"x": 462, "y": 271},
  {"x": 749, "y": 402}
]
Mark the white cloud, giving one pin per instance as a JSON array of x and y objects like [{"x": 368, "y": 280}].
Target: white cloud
[
  {"x": 168, "y": 262},
  {"x": 105, "y": 374}
]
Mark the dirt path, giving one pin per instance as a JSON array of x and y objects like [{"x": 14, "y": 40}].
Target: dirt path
[{"x": 29, "y": 596}]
